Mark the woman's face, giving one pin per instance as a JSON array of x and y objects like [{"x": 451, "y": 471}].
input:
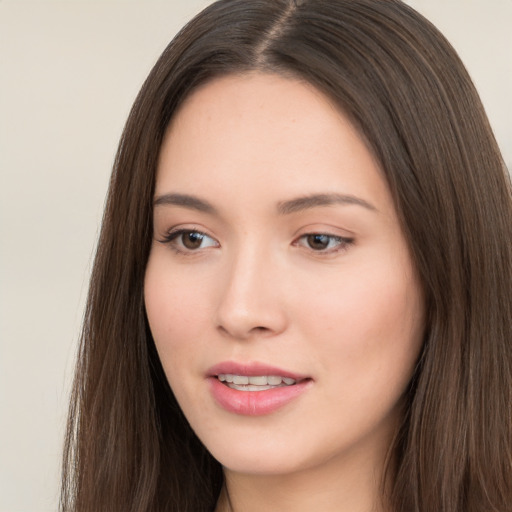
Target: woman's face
[{"x": 280, "y": 292}]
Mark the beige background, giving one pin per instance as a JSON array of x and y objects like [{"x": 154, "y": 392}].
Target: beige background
[{"x": 69, "y": 71}]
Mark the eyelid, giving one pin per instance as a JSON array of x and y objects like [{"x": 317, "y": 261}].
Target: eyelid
[
  {"x": 172, "y": 236},
  {"x": 342, "y": 242}
]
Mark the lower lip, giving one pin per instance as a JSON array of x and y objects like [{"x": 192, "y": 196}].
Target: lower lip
[{"x": 255, "y": 403}]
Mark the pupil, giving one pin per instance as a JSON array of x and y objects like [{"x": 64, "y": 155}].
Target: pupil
[
  {"x": 192, "y": 240},
  {"x": 318, "y": 241}
]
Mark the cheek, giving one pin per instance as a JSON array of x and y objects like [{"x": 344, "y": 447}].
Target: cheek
[
  {"x": 367, "y": 338},
  {"x": 175, "y": 300},
  {"x": 176, "y": 314},
  {"x": 368, "y": 324},
  {"x": 372, "y": 296}
]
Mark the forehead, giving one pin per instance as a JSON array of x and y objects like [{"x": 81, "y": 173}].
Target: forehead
[{"x": 262, "y": 133}]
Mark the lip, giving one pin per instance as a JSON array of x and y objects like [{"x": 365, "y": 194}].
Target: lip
[
  {"x": 251, "y": 370},
  {"x": 254, "y": 403}
]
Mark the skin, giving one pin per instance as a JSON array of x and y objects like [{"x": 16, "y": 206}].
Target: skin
[{"x": 348, "y": 314}]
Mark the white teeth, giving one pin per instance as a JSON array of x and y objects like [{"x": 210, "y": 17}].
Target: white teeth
[
  {"x": 256, "y": 382},
  {"x": 274, "y": 380},
  {"x": 250, "y": 387}
]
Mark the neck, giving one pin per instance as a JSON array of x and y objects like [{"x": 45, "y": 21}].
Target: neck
[{"x": 331, "y": 487}]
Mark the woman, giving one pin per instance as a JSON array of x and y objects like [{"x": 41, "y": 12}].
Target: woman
[{"x": 301, "y": 295}]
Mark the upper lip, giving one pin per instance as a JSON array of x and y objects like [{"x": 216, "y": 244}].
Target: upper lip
[{"x": 252, "y": 369}]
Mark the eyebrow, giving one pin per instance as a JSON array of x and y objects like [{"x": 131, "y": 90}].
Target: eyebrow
[
  {"x": 318, "y": 200},
  {"x": 186, "y": 201},
  {"x": 283, "y": 208}
]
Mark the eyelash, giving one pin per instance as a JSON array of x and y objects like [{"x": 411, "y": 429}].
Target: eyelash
[
  {"x": 173, "y": 240},
  {"x": 342, "y": 243}
]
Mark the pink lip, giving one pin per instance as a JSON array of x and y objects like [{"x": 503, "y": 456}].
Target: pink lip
[
  {"x": 251, "y": 370},
  {"x": 254, "y": 403}
]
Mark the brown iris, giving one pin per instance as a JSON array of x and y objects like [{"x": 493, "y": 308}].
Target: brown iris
[
  {"x": 318, "y": 242},
  {"x": 192, "y": 239}
]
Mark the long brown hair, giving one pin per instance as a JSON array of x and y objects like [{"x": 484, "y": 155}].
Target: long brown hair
[{"x": 128, "y": 446}]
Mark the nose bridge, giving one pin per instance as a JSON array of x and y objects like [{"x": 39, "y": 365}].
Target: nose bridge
[{"x": 250, "y": 300}]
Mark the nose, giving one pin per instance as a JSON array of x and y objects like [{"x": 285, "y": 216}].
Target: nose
[{"x": 252, "y": 297}]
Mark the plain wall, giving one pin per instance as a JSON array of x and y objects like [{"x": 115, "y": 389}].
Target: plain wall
[{"x": 69, "y": 71}]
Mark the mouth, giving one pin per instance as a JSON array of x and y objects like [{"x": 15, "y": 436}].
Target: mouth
[
  {"x": 255, "y": 389},
  {"x": 256, "y": 382}
]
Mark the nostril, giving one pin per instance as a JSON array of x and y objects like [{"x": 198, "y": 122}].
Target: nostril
[{"x": 260, "y": 330}]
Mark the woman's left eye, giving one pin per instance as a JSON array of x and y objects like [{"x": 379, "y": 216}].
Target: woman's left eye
[{"x": 320, "y": 242}]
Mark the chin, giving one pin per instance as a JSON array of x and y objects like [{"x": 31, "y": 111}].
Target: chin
[
  {"x": 259, "y": 462},
  {"x": 267, "y": 454}
]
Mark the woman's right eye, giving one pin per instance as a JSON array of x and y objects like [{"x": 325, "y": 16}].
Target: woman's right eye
[{"x": 189, "y": 240}]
